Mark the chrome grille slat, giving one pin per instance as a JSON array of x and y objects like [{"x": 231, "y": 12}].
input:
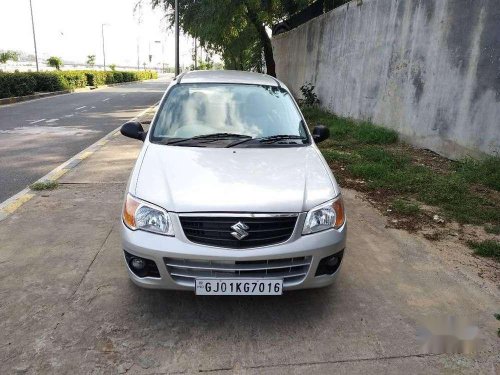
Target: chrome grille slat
[
  {"x": 216, "y": 276},
  {"x": 185, "y": 271},
  {"x": 229, "y": 267}
]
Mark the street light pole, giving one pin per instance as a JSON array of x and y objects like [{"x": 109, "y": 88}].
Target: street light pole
[
  {"x": 177, "y": 70},
  {"x": 34, "y": 37},
  {"x": 103, "y": 49},
  {"x": 138, "y": 55},
  {"x": 161, "y": 43},
  {"x": 195, "y": 54}
]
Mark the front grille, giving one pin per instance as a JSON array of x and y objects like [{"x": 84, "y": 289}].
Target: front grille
[
  {"x": 185, "y": 271},
  {"x": 216, "y": 231}
]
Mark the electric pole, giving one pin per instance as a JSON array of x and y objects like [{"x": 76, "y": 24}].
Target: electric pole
[{"x": 34, "y": 37}]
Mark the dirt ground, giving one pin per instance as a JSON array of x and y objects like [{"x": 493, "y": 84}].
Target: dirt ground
[{"x": 449, "y": 237}]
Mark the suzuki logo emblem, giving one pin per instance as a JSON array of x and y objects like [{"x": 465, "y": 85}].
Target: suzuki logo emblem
[{"x": 239, "y": 230}]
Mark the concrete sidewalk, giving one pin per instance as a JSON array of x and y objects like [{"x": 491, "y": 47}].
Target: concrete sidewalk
[{"x": 67, "y": 305}]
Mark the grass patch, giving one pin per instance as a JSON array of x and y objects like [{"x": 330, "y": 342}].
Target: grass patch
[
  {"x": 349, "y": 132},
  {"x": 334, "y": 155},
  {"x": 485, "y": 172},
  {"x": 404, "y": 207},
  {"x": 487, "y": 248},
  {"x": 493, "y": 229},
  {"x": 44, "y": 185},
  {"x": 371, "y": 153},
  {"x": 367, "y": 133}
]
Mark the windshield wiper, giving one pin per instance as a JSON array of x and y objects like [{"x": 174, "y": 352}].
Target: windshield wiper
[
  {"x": 280, "y": 137},
  {"x": 209, "y": 137}
]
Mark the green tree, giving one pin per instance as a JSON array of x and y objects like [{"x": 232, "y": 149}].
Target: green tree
[
  {"x": 112, "y": 67},
  {"x": 91, "y": 60},
  {"x": 236, "y": 29},
  {"x": 8, "y": 55},
  {"x": 55, "y": 62}
]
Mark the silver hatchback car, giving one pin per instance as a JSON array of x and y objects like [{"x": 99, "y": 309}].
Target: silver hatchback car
[{"x": 230, "y": 194}]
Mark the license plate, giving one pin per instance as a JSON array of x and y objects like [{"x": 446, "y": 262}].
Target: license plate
[{"x": 238, "y": 287}]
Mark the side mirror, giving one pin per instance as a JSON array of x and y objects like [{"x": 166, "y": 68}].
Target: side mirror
[
  {"x": 133, "y": 129},
  {"x": 320, "y": 133}
]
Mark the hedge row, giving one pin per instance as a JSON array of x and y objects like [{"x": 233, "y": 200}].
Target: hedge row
[
  {"x": 98, "y": 78},
  {"x": 27, "y": 83}
]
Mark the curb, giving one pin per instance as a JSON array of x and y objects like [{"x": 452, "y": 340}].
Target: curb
[
  {"x": 11, "y": 204},
  {"x": 18, "y": 99}
]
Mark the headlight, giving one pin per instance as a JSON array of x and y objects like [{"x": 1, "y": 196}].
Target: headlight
[
  {"x": 328, "y": 215},
  {"x": 141, "y": 215}
]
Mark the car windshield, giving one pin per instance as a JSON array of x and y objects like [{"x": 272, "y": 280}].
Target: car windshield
[{"x": 228, "y": 111}]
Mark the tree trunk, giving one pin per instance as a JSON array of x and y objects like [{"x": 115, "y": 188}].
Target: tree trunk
[{"x": 265, "y": 41}]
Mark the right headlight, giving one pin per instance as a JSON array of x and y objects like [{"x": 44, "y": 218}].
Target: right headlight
[
  {"x": 326, "y": 216},
  {"x": 142, "y": 215}
]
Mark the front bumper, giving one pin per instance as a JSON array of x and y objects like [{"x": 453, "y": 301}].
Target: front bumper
[{"x": 157, "y": 247}]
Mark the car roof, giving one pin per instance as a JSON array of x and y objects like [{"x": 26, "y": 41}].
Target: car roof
[{"x": 228, "y": 76}]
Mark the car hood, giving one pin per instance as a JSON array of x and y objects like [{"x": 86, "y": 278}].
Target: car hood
[{"x": 193, "y": 179}]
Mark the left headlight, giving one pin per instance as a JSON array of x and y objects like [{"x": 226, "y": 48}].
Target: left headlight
[
  {"x": 326, "y": 216},
  {"x": 142, "y": 215}
]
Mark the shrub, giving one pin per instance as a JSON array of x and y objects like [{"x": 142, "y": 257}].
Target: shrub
[
  {"x": 16, "y": 84},
  {"x": 99, "y": 78},
  {"x": 95, "y": 77},
  {"x": 48, "y": 81},
  {"x": 118, "y": 77},
  {"x": 73, "y": 79},
  {"x": 27, "y": 83},
  {"x": 310, "y": 97}
]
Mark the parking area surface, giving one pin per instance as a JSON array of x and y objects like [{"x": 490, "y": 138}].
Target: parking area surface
[{"x": 66, "y": 304}]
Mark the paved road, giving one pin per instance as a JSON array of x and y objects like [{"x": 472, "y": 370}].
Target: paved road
[{"x": 37, "y": 136}]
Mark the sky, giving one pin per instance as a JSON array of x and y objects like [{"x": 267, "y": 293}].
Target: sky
[{"x": 71, "y": 29}]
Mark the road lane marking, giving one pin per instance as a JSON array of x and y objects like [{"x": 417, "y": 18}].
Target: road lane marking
[
  {"x": 105, "y": 100},
  {"x": 76, "y": 109},
  {"x": 34, "y": 122},
  {"x": 49, "y": 129},
  {"x": 68, "y": 116},
  {"x": 51, "y": 120}
]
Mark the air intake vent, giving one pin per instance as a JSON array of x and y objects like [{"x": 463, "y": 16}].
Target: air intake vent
[{"x": 253, "y": 231}]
